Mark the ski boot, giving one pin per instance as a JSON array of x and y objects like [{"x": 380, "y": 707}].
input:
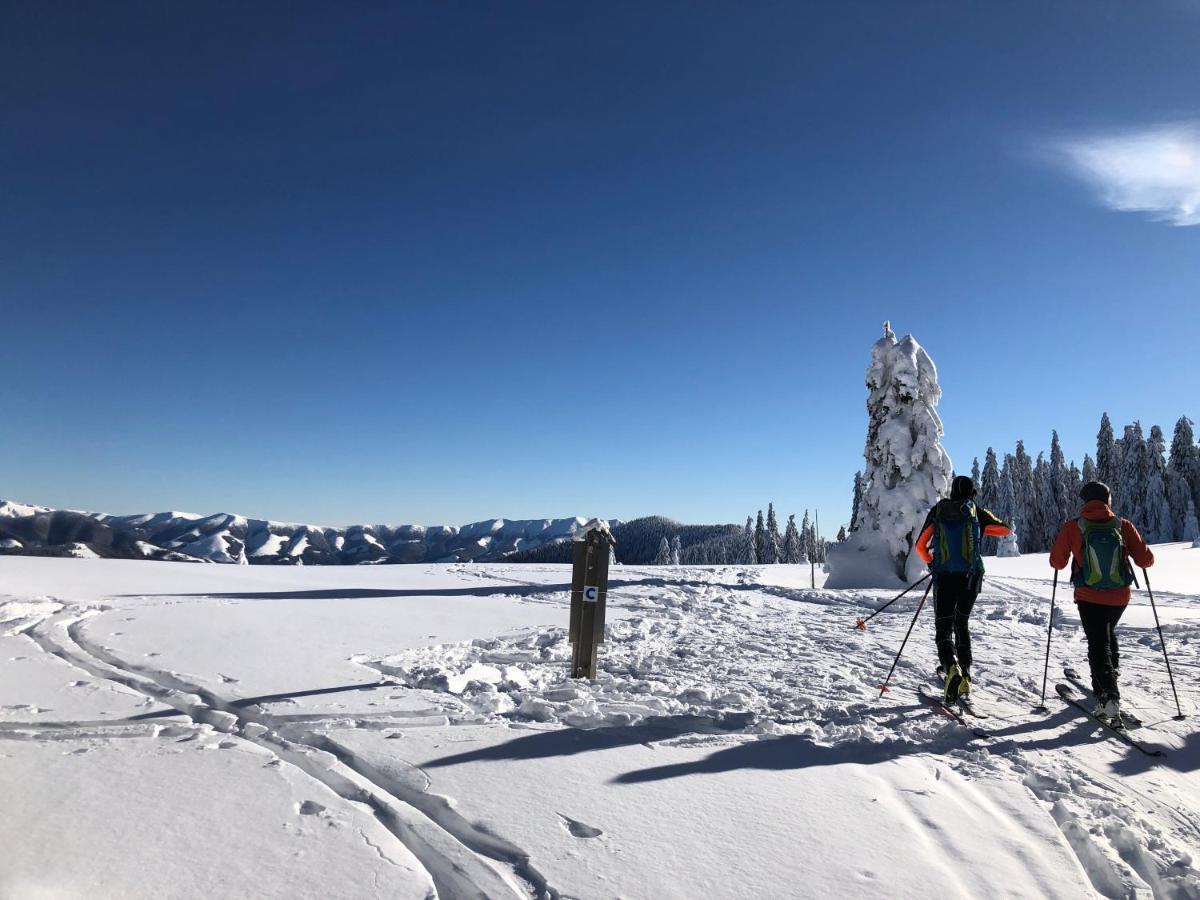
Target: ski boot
[
  {"x": 964, "y": 683},
  {"x": 1100, "y": 710},
  {"x": 954, "y": 677}
]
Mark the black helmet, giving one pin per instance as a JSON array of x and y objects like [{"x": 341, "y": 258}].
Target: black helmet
[
  {"x": 962, "y": 488},
  {"x": 1095, "y": 490}
]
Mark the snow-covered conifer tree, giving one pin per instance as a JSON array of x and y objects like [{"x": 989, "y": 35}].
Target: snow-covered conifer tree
[
  {"x": 1089, "y": 469},
  {"x": 1010, "y": 545},
  {"x": 988, "y": 495},
  {"x": 1158, "y": 511},
  {"x": 1133, "y": 475},
  {"x": 1191, "y": 530},
  {"x": 1108, "y": 460},
  {"x": 841, "y": 536},
  {"x": 858, "y": 492},
  {"x": 792, "y": 552},
  {"x": 773, "y": 542},
  {"x": 907, "y": 471},
  {"x": 663, "y": 557},
  {"x": 1042, "y": 512},
  {"x": 1059, "y": 478},
  {"x": 975, "y": 472},
  {"x": 1183, "y": 473},
  {"x": 1024, "y": 493},
  {"x": 1006, "y": 506},
  {"x": 1074, "y": 484},
  {"x": 676, "y": 551},
  {"x": 760, "y": 539}
]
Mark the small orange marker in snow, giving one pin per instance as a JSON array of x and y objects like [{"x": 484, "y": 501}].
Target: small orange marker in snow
[{"x": 860, "y": 625}]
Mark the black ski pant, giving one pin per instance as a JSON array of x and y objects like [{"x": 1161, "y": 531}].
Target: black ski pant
[
  {"x": 1100, "y": 625},
  {"x": 954, "y": 596}
]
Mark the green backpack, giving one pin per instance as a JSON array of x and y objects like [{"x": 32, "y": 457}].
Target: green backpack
[{"x": 1104, "y": 566}]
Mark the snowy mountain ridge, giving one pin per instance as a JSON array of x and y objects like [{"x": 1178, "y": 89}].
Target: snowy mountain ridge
[{"x": 230, "y": 538}]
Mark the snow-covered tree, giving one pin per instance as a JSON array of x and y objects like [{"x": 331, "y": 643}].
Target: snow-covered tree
[
  {"x": 1025, "y": 497},
  {"x": 1157, "y": 509},
  {"x": 1006, "y": 506},
  {"x": 663, "y": 557},
  {"x": 1010, "y": 545},
  {"x": 989, "y": 481},
  {"x": 760, "y": 539},
  {"x": 772, "y": 543},
  {"x": 841, "y": 536},
  {"x": 857, "y": 504},
  {"x": 1133, "y": 475},
  {"x": 1089, "y": 469},
  {"x": 676, "y": 551},
  {"x": 1183, "y": 473},
  {"x": 793, "y": 548},
  {"x": 975, "y": 472},
  {"x": 808, "y": 540},
  {"x": 1059, "y": 477},
  {"x": 1191, "y": 530},
  {"x": 1108, "y": 460},
  {"x": 1074, "y": 485},
  {"x": 907, "y": 470},
  {"x": 1042, "y": 519}
]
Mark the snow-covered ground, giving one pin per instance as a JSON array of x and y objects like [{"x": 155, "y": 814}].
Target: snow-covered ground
[{"x": 174, "y": 730}]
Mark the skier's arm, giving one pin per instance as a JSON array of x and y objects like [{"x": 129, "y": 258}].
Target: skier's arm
[
  {"x": 1060, "y": 553},
  {"x": 1135, "y": 546},
  {"x": 923, "y": 539},
  {"x": 991, "y": 525}
]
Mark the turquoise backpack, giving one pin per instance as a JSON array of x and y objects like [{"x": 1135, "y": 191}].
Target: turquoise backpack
[
  {"x": 956, "y": 536},
  {"x": 1104, "y": 566}
]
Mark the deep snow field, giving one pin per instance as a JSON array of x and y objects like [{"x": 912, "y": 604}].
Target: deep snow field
[{"x": 180, "y": 730}]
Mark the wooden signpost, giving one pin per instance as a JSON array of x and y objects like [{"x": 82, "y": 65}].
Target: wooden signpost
[{"x": 589, "y": 592}]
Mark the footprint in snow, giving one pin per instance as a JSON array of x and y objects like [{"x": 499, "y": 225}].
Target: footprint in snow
[
  {"x": 227, "y": 679},
  {"x": 579, "y": 829},
  {"x": 309, "y": 808}
]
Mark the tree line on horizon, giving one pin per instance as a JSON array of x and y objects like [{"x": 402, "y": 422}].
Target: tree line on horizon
[{"x": 1157, "y": 492}]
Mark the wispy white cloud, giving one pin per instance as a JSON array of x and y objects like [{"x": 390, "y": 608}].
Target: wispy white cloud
[{"x": 1154, "y": 170}]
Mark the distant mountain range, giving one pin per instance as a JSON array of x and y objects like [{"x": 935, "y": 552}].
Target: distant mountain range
[{"x": 226, "y": 538}]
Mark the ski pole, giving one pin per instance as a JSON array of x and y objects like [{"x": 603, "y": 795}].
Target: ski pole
[
  {"x": 883, "y": 688},
  {"x": 1049, "y": 634},
  {"x": 861, "y": 624},
  {"x": 1163, "y": 644}
]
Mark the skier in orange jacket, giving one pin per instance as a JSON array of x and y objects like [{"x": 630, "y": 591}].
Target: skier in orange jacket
[{"x": 1099, "y": 546}]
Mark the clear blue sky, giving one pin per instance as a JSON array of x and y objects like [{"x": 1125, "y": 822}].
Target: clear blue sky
[{"x": 437, "y": 262}]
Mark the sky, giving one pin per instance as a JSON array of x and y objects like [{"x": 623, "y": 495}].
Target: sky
[{"x": 442, "y": 262}]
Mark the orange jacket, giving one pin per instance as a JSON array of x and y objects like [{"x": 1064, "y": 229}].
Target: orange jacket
[
  {"x": 1068, "y": 547},
  {"x": 988, "y": 524}
]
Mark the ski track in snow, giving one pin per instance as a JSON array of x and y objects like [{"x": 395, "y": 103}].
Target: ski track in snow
[
  {"x": 717, "y": 659},
  {"x": 452, "y": 851}
]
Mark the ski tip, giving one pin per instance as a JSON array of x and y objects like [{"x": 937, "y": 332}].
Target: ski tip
[{"x": 860, "y": 625}]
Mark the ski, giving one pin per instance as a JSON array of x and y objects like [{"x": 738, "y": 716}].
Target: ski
[
  {"x": 940, "y": 705},
  {"x": 1128, "y": 720},
  {"x": 965, "y": 703},
  {"x": 1065, "y": 691}
]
